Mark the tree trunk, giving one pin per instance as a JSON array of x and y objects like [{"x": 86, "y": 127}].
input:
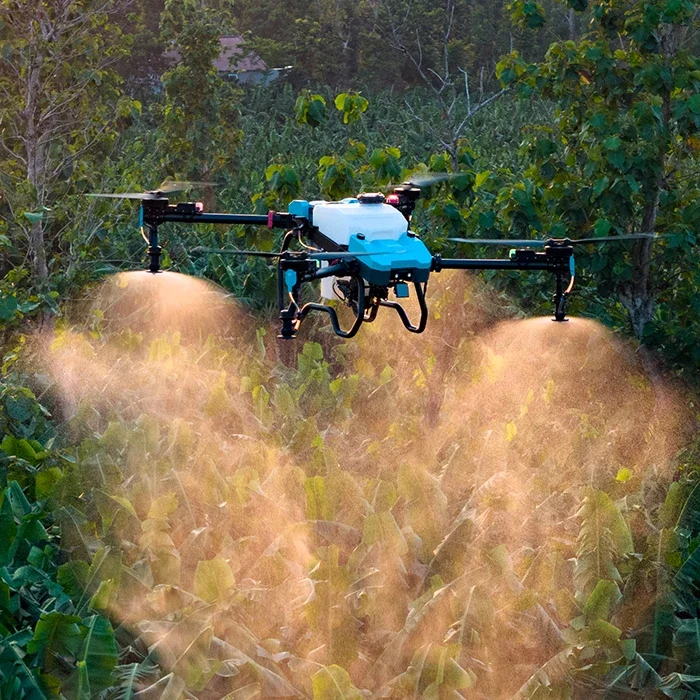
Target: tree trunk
[
  {"x": 37, "y": 246},
  {"x": 638, "y": 297},
  {"x": 573, "y": 30},
  {"x": 36, "y": 168}
]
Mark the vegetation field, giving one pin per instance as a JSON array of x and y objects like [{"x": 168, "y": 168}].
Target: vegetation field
[
  {"x": 484, "y": 513},
  {"x": 499, "y": 508}
]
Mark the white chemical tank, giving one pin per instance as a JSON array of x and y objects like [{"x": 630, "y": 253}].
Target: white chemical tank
[
  {"x": 327, "y": 291},
  {"x": 338, "y": 220}
]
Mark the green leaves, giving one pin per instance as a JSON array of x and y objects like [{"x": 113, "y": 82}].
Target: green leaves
[
  {"x": 334, "y": 683},
  {"x": 52, "y": 635},
  {"x": 283, "y": 183},
  {"x": 97, "y": 657},
  {"x": 33, "y": 217},
  {"x": 8, "y": 307},
  {"x": 213, "y": 579},
  {"x": 603, "y": 539},
  {"x": 155, "y": 540},
  {"x": 385, "y": 162},
  {"x": 310, "y": 109},
  {"x": 527, "y": 14},
  {"x": 352, "y": 105},
  {"x": 56, "y": 634},
  {"x": 425, "y": 504},
  {"x": 686, "y": 641},
  {"x": 318, "y": 506},
  {"x": 337, "y": 177},
  {"x": 435, "y": 672},
  {"x": 601, "y": 601}
]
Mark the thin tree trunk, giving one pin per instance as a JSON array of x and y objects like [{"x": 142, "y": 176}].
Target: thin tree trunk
[
  {"x": 638, "y": 298},
  {"x": 37, "y": 245},
  {"x": 36, "y": 168},
  {"x": 573, "y": 30}
]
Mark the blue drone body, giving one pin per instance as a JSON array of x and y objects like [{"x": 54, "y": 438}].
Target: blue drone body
[{"x": 362, "y": 251}]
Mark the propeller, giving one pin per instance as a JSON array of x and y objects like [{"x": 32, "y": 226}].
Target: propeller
[
  {"x": 230, "y": 251},
  {"x": 169, "y": 186},
  {"x": 535, "y": 243},
  {"x": 166, "y": 187},
  {"x": 426, "y": 179},
  {"x": 323, "y": 255}
]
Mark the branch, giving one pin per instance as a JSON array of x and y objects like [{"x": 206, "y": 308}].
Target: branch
[
  {"x": 478, "y": 108},
  {"x": 12, "y": 153},
  {"x": 446, "y": 40},
  {"x": 73, "y": 156},
  {"x": 466, "y": 90}
]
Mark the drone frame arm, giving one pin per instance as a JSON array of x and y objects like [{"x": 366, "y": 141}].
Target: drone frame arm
[
  {"x": 556, "y": 259},
  {"x": 440, "y": 263}
]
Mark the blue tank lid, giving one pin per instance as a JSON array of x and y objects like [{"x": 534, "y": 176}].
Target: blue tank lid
[{"x": 300, "y": 208}]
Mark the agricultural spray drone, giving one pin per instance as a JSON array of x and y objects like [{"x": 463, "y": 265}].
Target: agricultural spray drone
[{"x": 361, "y": 250}]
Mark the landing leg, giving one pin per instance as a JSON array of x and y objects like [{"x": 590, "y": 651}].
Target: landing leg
[
  {"x": 154, "y": 250},
  {"x": 560, "y": 297}
]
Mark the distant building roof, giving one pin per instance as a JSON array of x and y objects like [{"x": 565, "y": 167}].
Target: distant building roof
[{"x": 232, "y": 58}]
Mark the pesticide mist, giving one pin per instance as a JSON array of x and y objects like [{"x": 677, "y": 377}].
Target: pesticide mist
[{"x": 468, "y": 513}]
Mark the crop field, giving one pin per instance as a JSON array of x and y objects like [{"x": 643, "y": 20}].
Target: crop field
[
  {"x": 484, "y": 514},
  {"x": 497, "y": 508}
]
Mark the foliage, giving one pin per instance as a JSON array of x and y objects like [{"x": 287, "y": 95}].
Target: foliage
[
  {"x": 617, "y": 158},
  {"x": 352, "y": 105},
  {"x": 355, "y": 43},
  {"x": 54, "y": 639},
  {"x": 61, "y": 109},
  {"x": 310, "y": 109},
  {"x": 301, "y": 531},
  {"x": 198, "y": 124}
]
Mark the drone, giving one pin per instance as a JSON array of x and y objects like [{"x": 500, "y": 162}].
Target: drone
[{"x": 361, "y": 249}]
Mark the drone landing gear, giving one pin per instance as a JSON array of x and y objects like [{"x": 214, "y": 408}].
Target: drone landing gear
[
  {"x": 422, "y": 321},
  {"x": 365, "y": 302},
  {"x": 560, "y": 298},
  {"x": 293, "y": 314},
  {"x": 357, "y": 302}
]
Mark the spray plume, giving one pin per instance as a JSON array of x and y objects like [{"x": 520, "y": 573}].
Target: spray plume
[{"x": 398, "y": 514}]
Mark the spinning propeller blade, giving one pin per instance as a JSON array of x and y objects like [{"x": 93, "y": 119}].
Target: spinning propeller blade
[
  {"x": 425, "y": 179},
  {"x": 612, "y": 239},
  {"x": 541, "y": 243},
  {"x": 166, "y": 187},
  {"x": 509, "y": 243},
  {"x": 428, "y": 179},
  {"x": 125, "y": 195}
]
